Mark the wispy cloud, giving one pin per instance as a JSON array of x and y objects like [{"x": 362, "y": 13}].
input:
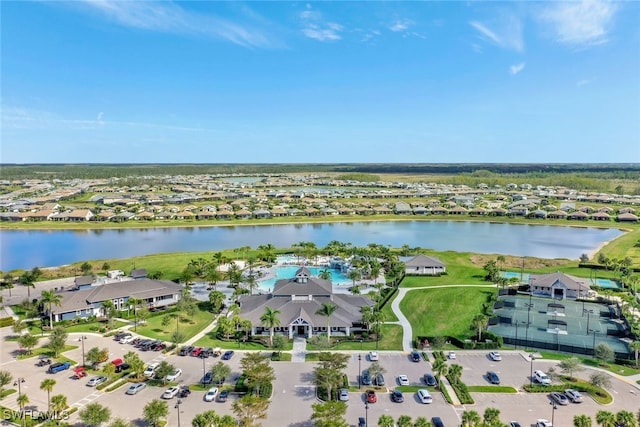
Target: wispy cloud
[
  {"x": 13, "y": 117},
  {"x": 581, "y": 23},
  {"x": 169, "y": 17},
  {"x": 507, "y": 33},
  {"x": 583, "y": 82},
  {"x": 314, "y": 26},
  {"x": 515, "y": 69},
  {"x": 401, "y": 25}
]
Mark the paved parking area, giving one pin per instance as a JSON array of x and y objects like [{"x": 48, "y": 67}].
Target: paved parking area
[{"x": 294, "y": 391}]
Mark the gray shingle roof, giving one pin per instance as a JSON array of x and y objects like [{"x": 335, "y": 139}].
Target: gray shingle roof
[
  {"x": 548, "y": 280},
  {"x": 423, "y": 261}
]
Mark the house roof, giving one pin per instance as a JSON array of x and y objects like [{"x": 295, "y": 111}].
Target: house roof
[
  {"x": 549, "y": 280},
  {"x": 423, "y": 261}
]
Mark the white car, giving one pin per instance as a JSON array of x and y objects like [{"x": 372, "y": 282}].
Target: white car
[
  {"x": 174, "y": 375},
  {"x": 127, "y": 339},
  {"x": 452, "y": 355},
  {"x": 96, "y": 381},
  {"x": 211, "y": 394},
  {"x": 171, "y": 392},
  {"x": 151, "y": 370},
  {"x": 344, "y": 394},
  {"x": 424, "y": 396},
  {"x": 135, "y": 388},
  {"x": 373, "y": 356},
  {"x": 543, "y": 423},
  {"x": 495, "y": 356},
  {"x": 541, "y": 377},
  {"x": 403, "y": 380}
]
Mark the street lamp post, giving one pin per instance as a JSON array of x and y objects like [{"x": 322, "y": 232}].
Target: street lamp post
[
  {"x": 81, "y": 339},
  {"x": 553, "y": 411},
  {"x": 359, "y": 371},
  {"x": 18, "y": 382},
  {"x": 531, "y": 357},
  {"x": 366, "y": 413},
  {"x": 178, "y": 403},
  {"x": 589, "y": 312}
]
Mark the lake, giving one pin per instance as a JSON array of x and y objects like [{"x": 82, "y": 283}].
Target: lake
[{"x": 25, "y": 249}]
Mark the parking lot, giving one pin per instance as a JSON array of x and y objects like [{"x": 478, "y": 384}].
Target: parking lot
[{"x": 294, "y": 391}]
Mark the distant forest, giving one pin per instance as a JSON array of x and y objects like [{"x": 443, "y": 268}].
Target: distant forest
[{"x": 621, "y": 177}]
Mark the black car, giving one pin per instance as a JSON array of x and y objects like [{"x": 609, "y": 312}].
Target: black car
[
  {"x": 365, "y": 378},
  {"x": 220, "y": 381},
  {"x": 493, "y": 377},
  {"x": 121, "y": 335},
  {"x": 379, "y": 380},
  {"x": 184, "y": 392},
  {"x": 362, "y": 422},
  {"x": 122, "y": 367},
  {"x": 227, "y": 355},
  {"x": 223, "y": 396},
  {"x": 397, "y": 396},
  {"x": 430, "y": 380},
  {"x": 207, "y": 352},
  {"x": 186, "y": 350},
  {"x": 43, "y": 362},
  {"x": 437, "y": 422},
  {"x": 208, "y": 378},
  {"x": 415, "y": 356}
]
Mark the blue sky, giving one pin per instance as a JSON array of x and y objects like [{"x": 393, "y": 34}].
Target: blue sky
[{"x": 108, "y": 81}]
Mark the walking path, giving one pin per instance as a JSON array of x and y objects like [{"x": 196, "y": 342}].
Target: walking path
[
  {"x": 407, "y": 333},
  {"x": 299, "y": 352}
]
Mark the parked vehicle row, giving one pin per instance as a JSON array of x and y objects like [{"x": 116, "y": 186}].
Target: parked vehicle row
[{"x": 202, "y": 352}]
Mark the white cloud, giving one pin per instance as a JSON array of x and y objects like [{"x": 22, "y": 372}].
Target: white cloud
[
  {"x": 580, "y": 23},
  {"x": 507, "y": 33},
  {"x": 401, "y": 25},
  {"x": 583, "y": 82},
  {"x": 169, "y": 17},
  {"x": 317, "y": 28},
  {"x": 515, "y": 69}
]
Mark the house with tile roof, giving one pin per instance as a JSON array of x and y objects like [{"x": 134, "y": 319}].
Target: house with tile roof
[
  {"x": 559, "y": 285},
  {"x": 86, "y": 301},
  {"x": 298, "y": 300}
]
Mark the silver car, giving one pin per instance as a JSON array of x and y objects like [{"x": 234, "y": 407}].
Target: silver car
[
  {"x": 343, "y": 394},
  {"x": 573, "y": 395},
  {"x": 135, "y": 388}
]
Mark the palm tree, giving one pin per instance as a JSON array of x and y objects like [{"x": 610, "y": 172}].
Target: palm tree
[
  {"x": 605, "y": 419},
  {"x": 23, "y": 400},
  {"x": 27, "y": 279},
  {"x": 251, "y": 283},
  {"x": 325, "y": 274},
  {"x": 440, "y": 368},
  {"x": 327, "y": 309},
  {"x": 422, "y": 422},
  {"x": 47, "y": 385},
  {"x": 205, "y": 419},
  {"x": 626, "y": 419},
  {"x": 582, "y": 421},
  {"x": 59, "y": 403},
  {"x": 50, "y": 298},
  {"x": 455, "y": 372},
  {"x": 270, "y": 320},
  {"x": 635, "y": 346},
  {"x": 354, "y": 275},
  {"x": 470, "y": 419},
  {"x": 479, "y": 321}
]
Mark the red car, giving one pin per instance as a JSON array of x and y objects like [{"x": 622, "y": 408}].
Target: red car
[
  {"x": 196, "y": 351},
  {"x": 371, "y": 396}
]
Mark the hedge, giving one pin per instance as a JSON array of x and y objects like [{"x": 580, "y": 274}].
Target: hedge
[{"x": 7, "y": 321}]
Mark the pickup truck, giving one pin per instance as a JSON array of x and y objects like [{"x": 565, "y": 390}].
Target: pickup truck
[{"x": 60, "y": 366}]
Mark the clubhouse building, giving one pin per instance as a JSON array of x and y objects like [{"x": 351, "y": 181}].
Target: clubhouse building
[{"x": 298, "y": 300}]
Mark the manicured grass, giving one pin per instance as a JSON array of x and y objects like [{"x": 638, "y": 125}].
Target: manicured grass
[
  {"x": 389, "y": 315},
  {"x": 491, "y": 389},
  {"x": 391, "y": 340},
  {"x": 93, "y": 327},
  {"x": 624, "y": 370},
  {"x": 460, "y": 270},
  {"x": 190, "y": 327},
  {"x": 46, "y": 351},
  {"x": 7, "y": 392},
  {"x": 444, "y": 311},
  {"x": 210, "y": 340}
]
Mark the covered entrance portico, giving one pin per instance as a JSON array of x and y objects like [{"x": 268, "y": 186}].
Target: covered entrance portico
[{"x": 300, "y": 328}]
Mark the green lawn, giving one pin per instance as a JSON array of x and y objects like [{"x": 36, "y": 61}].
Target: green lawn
[
  {"x": 93, "y": 327},
  {"x": 391, "y": 340},
  {"x": 460, "y": 270},
  {"x": 624, "y": 370},
  {"x": 210, "y": 340},
  {"x": 389, "y": 315},
  {"x": 443, "y": 311},
  {"x": 190, "y": 327}
]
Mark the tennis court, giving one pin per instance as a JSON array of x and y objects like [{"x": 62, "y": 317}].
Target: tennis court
[{"x": 560, "y": 325}]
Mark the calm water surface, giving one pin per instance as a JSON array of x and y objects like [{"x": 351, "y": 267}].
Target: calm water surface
[{"x": 29, "y": 248}]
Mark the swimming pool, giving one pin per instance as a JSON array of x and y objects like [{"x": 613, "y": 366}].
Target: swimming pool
[
  {"x": 289, "y": 271},
  {"x": 602, "y": 283}
]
